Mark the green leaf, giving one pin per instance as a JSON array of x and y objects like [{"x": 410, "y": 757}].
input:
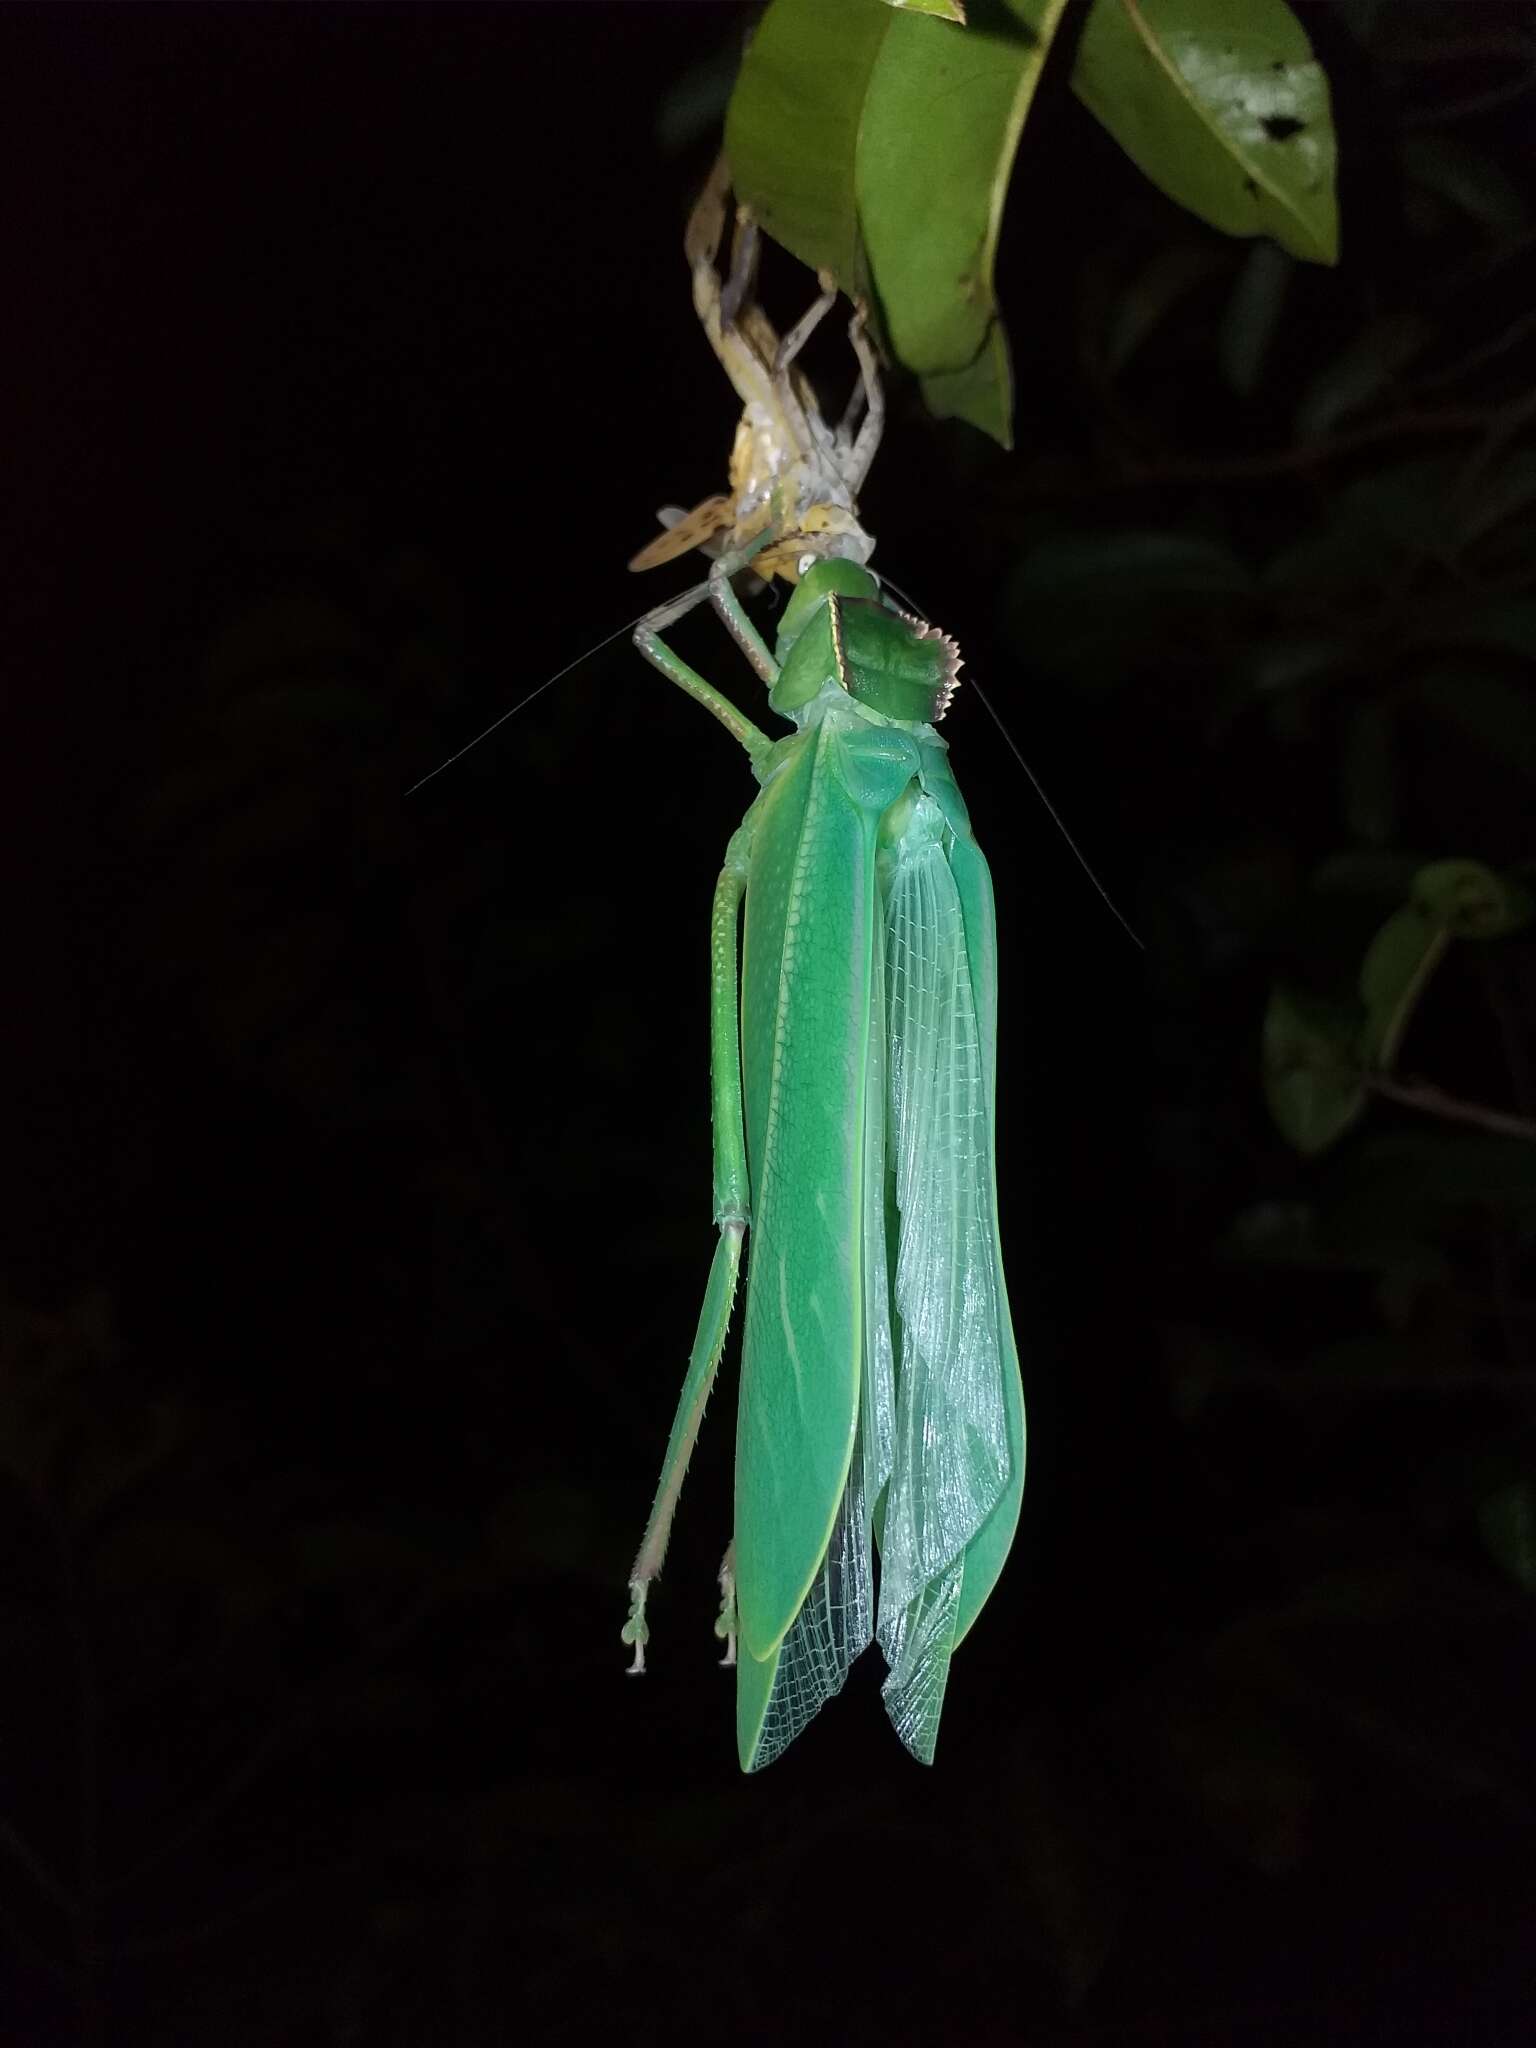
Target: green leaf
[
  {"x": 1363, "y": 872},
  {"x": 792, "y": 130},
  {"x": 1169, "y": 275},
  {"x": 1395, "y": 972},
  {"x": 981, "y": 393},
  {"x": 1499, "y": 715},
  {"x": 1368, "y": 772},
  {"x": 1507, "y": 1519},
  {"x": 1094, "y": 607},
  {"x": 1138, "y": 561},
  {"x": 941, "y": 125},
  {"x": 1269, "y": 668},
  {"x": 693, "y": 107},
  {"x": 1222, "y": 105},
  {"x": 1311, "y": 1080},
  {"x": 1252, "y": 314},
  {"x": 1507, "y": 626},
  {"x": 1365, "y": 530},
  {"x": 1447, "y": 899},
  {"x": 877, "y": 144},
  {"x": 1360, "y": 373},
  {"x": 1501, "y": 496},
  {"x": 1409, "y": 1174},
  {"x": 1464, "y": 178},
  {"x": 1470, "y": 900},
  {"x": 946, "y": 10}
]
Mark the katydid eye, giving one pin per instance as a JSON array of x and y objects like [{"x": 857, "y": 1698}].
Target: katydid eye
[{"x": 805, "y": 565}]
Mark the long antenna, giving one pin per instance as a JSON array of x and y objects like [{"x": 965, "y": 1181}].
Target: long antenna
[
  {"x": 523, "y": 702},
  {"x": 1039, "y": 788}
]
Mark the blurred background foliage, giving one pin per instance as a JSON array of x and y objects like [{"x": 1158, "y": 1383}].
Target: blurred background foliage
[{"x": 357, "y": 1204}]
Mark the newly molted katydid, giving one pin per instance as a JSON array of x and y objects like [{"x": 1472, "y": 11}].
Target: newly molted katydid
[{"x": 853, "y": 1074}]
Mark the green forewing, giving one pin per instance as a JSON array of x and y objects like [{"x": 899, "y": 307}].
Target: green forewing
[
  {"x": 809, "y": 938},
  {"x": 869, "y": 1055},
  {"x": 813, "y": 1087}
]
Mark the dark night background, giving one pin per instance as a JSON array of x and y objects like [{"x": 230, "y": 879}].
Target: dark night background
[{"x": 357, "y": 1203}]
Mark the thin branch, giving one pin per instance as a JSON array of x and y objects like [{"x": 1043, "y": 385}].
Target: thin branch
[
  {"x": 1476, "y": 358},
  {"x": 173, "y": 1938},
  {"x": 300, "y": 1719},
  {"x": 33, "y": 1864},
  {"x": 1275, "y": 462},
  {"x": 1435, "y": 1101},
  {"x": 1518, "y": 1382}
]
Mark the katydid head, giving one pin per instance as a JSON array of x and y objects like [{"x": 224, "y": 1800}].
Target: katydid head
[{"x": 839, "y": 625}]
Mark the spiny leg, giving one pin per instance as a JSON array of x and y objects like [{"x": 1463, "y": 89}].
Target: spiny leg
[
  {"x": 722, "y": 595},
  {"x": 719, "y": 590},
  {"x": 648, "y": 639},
  {"x": 732, "y": 1209}
]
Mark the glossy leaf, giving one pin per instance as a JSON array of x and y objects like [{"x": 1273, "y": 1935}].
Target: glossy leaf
[
  {"x": 1507, "y": 627},
  {"x": 1465, "y": 178},
  {"x": 877, "y": 145},
  {"x": 1410, "y": 1179},
  {"x": 1395, "y": 972},
  {"x": 1368, "y": 772},
  {"x": 1360, "y": 373},
  {"x": 1470, "y": 900},
  {"x": 1486, "y": 708},
  {"x": 792, "y": 132},
  {"x": 1090, "y": 606},
  {"x": 875, "y": 141},
  {"x": 1507, "y": 491},
  {"x": 1134, "y": 562},
  {"x": 946, "y": 10},
  {"x": 1169, "y": 275},
  {"x": 1507, "y": 1520},
  {"x": 940, "y": 130},
  {"x": 1252, "y": 315},
  {"x": 1222, "y": 105},
  {"x": 1311, "y": 1081},
  {"x": 1448, "y": 899}
]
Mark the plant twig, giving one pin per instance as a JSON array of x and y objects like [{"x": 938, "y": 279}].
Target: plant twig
[
  {"x": 11, "y": 1838},
  {"x": 1436, "y": 1102},
  {"x": 1298, "y": 458}
]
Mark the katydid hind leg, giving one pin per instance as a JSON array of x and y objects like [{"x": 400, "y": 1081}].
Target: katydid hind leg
[{"x": 732, "y": 1209}]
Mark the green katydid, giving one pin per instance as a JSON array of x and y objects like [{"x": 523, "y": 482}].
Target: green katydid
[
  {"x": 853, "y": 1075},
  {"x": 853, "y": 1079}
]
